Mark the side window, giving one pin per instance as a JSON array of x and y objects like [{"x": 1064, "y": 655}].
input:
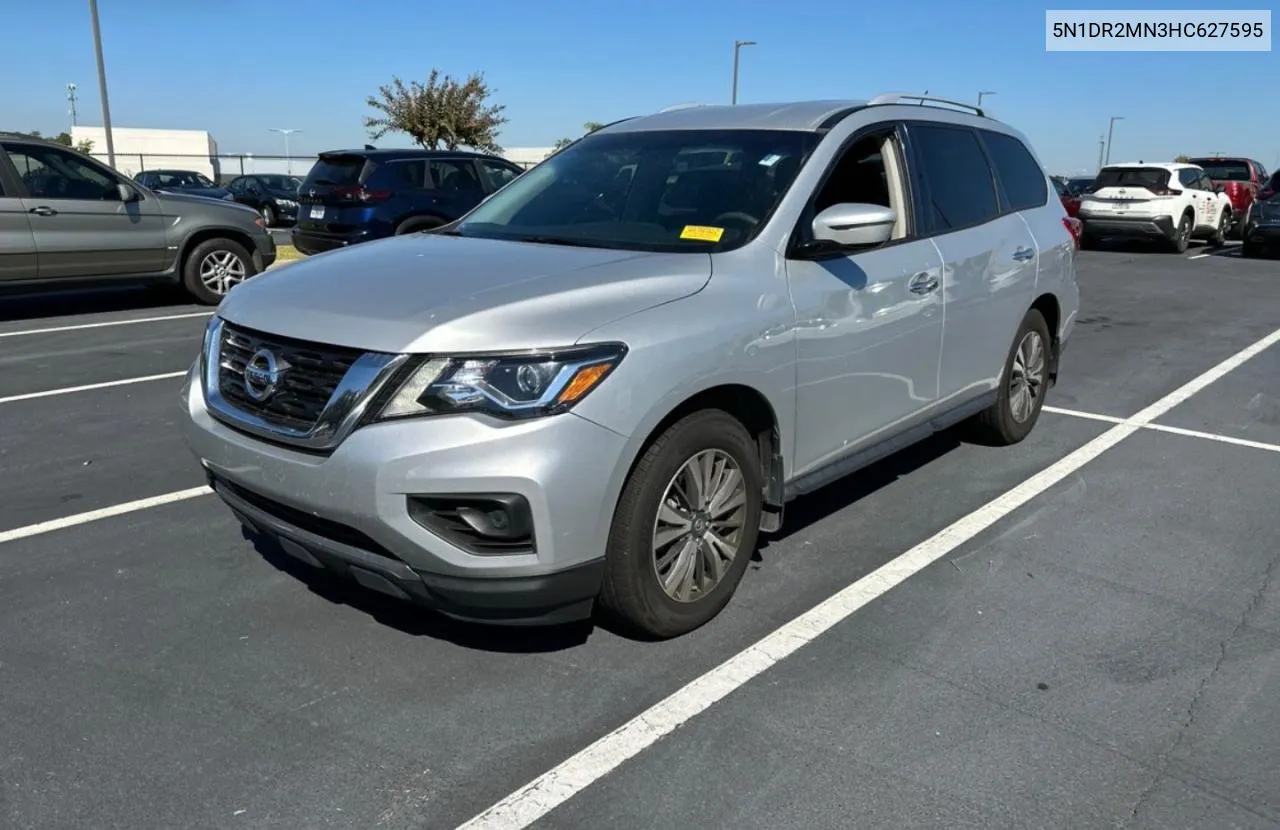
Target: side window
[
  {"x": 50, "y": 173},
  {"x": 1204, "y": 182},
  {"x": 868, "y": 172},
  {"x": 496, "y": 174},
  {"x": 237, "y": 187},
  {"x": 1019, "y": 172},
  {"x": 411, "y": 174},
  {"x": 455, "y": 176},
  {"x": 961, "y": 190},
  {"x": 1189, "y": 178}
]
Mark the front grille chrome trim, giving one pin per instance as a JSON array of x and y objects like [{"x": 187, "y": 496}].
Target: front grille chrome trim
[{"x": 340, "y": 415}]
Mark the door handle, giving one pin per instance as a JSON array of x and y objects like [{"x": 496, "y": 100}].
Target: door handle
[
  {"x": 923, "y": 283},
  {"x": 43, "y": 211},
  {"x": 1024, "y": 255}
]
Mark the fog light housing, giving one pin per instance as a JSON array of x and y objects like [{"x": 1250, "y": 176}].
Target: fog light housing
[{"x": 481, "y": 523}]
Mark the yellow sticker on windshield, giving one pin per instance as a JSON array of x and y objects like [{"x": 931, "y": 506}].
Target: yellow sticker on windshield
[{"x": 702, "y": 233}]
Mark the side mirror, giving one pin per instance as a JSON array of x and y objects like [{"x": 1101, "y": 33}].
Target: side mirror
[
  {"x": 854, "y": 225},
  {"x": 126, "y": 193}
]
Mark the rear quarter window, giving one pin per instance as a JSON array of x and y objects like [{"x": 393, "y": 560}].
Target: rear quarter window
[
  {"x": 960, "y": 188},
  {"x": 1020, "y": 175}
]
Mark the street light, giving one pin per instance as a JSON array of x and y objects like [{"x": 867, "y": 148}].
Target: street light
[
  {"x": 102, "y": 83},
  {"x": 984, "y": 94},
  {"x": 288, "y": 160},
  {"x": 737, "y": 47},
  {"x": 1110, "y": 129}
]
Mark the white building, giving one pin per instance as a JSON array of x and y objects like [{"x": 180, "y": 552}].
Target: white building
[
  {"x": 527, "y": 157},
  {"x": 139, "y": 149}
]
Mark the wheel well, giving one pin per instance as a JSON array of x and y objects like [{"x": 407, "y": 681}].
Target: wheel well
[
  {"x": 425, "y": 220},
  {"x": 1047, "y": 305},
  {"x": 756, "y": 415},
  {"x": 196, "y": 238}
]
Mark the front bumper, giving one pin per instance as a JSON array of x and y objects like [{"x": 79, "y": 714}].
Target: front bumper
[
  {"x": 1263, "y": 235},
  {"x": 349, "y": 511},
  {"x": 1148, "y": 226}
]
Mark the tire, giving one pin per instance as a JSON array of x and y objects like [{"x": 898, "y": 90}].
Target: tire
[
  {"x": 268, "y": 216},
  {"x": 1182, "y": 235},
  {"x": 1219, "y": 237},
  {"x": 416, "y": 225},
  {"x": 632, "y": 593},
  {"x": 235, "y": 261},
  {"x": 999, "y": 425}
]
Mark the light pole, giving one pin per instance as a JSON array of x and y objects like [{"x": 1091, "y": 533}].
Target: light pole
[
  {"x": 737, "y": 47},
  {"x": 102, "y": 83},
  {"x": 288, "y": 160},
  {"x": 71, "y": 103},
  {"x": 1110, "y": 129},
  {"x": 984, "y": 94},
  {"x": 1102, "y": 143}
]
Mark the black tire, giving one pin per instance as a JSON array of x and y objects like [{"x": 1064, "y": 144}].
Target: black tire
[
  {"x": 268, "y": 216},
  {"x": 631, "y": 594},
  {"x": 998, "y": 425},
  {"x": 416, "y": 225},
  {"x": 196, "y": 257},
  {"x": 1182, "y": 235},
  {"x": 1219, "y": 237}
]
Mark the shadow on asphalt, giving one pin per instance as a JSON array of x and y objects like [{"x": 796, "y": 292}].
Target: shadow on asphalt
[{"x": 30, "y": 305}]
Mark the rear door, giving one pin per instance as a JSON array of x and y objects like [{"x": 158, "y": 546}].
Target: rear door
[
  {"x": 81, "y": 227},
  {"x": 17, "y": 242},
  {"x": 330, "y": 199}
]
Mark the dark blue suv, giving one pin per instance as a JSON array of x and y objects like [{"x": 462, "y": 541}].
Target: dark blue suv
[{"x": 353, "y": 196}]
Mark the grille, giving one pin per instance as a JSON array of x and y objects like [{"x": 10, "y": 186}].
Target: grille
[{"x": 314, "y": 373}]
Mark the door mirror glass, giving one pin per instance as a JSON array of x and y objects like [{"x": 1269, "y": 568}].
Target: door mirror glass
[
  {"x": 126, "y": 193},
  {"x": 854, "y": 225}
]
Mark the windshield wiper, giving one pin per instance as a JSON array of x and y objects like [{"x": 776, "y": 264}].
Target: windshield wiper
[{"x": 555, "y": 240}]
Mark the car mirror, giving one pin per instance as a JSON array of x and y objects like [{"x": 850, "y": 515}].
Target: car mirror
[
  {"x": 854, "y": 225},
  {"x": 126, "y": 193}
]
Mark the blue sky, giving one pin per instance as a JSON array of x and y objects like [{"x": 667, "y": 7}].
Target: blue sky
[{"x": 239, "y": 67}]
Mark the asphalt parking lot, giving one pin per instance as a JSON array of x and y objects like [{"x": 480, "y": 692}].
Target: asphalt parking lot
[{"x": 1082, "y": 631}]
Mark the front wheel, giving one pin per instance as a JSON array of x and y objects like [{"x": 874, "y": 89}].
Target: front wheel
[
  {"x": 1023, "y": 385},
  {"x": 685, "y": 527},
  {"x": 1181, "y": 235},
  {"x": 1219, "y": 237},
  {"x": 214, "y": 267}
]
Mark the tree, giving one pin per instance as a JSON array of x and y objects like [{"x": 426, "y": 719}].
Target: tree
[
  {"x": 587, "y": 129},
  {"x": 64, "y": 138},
  {"x": 443, "y": 111},
  {"x": 1182, "y": 159}
]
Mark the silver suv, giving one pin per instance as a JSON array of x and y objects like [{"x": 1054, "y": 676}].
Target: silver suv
[{"x": 596, "y": 388}]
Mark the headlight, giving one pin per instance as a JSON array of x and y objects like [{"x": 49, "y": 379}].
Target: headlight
[
  {"x": 289, "y": 203},
  {"x": 527, "y": 385}
]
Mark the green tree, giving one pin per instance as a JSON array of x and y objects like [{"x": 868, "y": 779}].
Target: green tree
[
  {"x": 64, "y": 138},
  {"x": 442, "y": 112},
  {"x": 1182, "y": 159},
  {"x": 587, "y": 129}
]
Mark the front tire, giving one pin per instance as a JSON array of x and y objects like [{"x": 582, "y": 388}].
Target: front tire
[
  {"x": 1219, "y": 237},
  {"x": 1023, "y": 385},
  {"x": 685, "y": 527},
  {"x": 214, "y": 267},
  {"x": 1182, "y": 235}
]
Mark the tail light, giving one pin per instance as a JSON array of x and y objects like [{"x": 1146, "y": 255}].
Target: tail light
[
  {"x": 1074, "y": 227},
  {"x": 360, "y": 193}
]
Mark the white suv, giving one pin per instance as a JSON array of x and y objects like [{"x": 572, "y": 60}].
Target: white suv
[{"x": 1170, "y": 202}]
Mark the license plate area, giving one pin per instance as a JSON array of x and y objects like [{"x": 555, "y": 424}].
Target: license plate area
[{"x": 317, "y": 212}]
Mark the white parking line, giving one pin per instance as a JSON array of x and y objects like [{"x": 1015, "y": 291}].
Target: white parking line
[
  {"x": 49, "y": 393},
  {"x": 1190, "y": 433},
  {"x": 543, "y": 794},
  {"x": 105, "y": 324},
  {"x": 103, "y": 513},
  {"x": 1199, "y": 256}
]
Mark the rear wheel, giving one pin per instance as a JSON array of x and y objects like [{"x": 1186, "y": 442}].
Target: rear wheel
[
  {"x": 214, "y": 267},
  {"x": 685, "y": 527},
  {"x": 1023, "y": 385}
]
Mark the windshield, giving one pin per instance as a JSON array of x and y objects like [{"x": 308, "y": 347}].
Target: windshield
[
  {"x": 181, "y": 179},
  {"x": 671, "y": 191},
  {"x": 1223, "y": 170}
]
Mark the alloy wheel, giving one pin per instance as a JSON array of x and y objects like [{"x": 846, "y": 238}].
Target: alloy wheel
[
  {"x": 220, "y": 271},
  {"x": 1026, "y": 381},
  {"x": 697, "y": 533}
]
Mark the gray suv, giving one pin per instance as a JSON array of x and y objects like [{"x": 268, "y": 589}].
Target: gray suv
[
  {"x": 67, "y": 220},
  {"x": 594, "y": 390}
]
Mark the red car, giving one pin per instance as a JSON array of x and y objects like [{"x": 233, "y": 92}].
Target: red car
[
  {"x": 1070, "y": 201},
  {"x": 1240, "y": 178}
]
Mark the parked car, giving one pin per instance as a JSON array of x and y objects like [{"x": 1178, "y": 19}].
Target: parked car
[
  {"x": 1079, "y": 185},
  {"x": 353, "y": 196},
  {"x": 1169, "y": 202},
  {"x": 1270, "y": 188},
  {"x": 272, "y": 195},
  {"x": 67, "y": 220},
  {"x": 1262, "y": 234},
  {"x": 189, "y": 182},
  {"x": 1239, "y": 178},
  {"x": 1070, "y": 201},
  {"x": 596, "y": 388}
]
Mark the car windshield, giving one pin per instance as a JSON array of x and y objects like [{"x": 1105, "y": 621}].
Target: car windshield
[
  {"x": 671, "y": 191},
  {"x": 1079, "y": 184},
  {"x": 183, "y": 178},
  {"x": 1224, "y": 170}
]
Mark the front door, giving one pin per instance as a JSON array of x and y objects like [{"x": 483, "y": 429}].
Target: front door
[
  {"x": 81, "y": 226},
  {"x": 869, "y": 322}
]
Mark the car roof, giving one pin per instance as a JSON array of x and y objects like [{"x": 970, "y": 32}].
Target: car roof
[
  {"x": 407, "y": 152},
  {"x": 1163, "y": 165}
]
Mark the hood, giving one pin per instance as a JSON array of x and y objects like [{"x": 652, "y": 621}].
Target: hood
[
  {"x": 436, "y": 293},
  {"x": 185, "y": 197},
  {"x": 206, "y": 192},
  {"x": 1268, "y": 209}
]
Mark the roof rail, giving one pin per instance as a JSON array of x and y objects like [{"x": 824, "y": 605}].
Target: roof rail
[
  {"x": 686, "y": 106},
  {"x": 895, "y": 97}
]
